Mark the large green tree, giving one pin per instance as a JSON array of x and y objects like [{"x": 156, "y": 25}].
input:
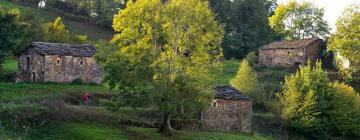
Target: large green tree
[
  {"x": 346, "y": 42},
  {"x": 12, "y": 33},
  {"x": 298, "y": 20},
  {"x": 246, "y": 25},
  {"x": 164, "y": 56}
]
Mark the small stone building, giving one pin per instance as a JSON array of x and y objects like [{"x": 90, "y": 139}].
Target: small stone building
[
  {"x": 290, "y": 53},
  {"x": 230, "y": 111},
  {"x": 62, "y": 63}
]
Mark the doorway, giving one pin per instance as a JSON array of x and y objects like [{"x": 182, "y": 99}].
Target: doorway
[{"x": 33, "y": 76}]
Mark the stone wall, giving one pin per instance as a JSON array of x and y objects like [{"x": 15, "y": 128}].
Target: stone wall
[
  {"x": 313, "y": 51},
  {"x": 30, "y": 67},
  {"x": 34, "y": 67},
  {"x": 65, "y": 69},
  {"x": 282, "y": 57},
  {"x": 228, "y": 115}
]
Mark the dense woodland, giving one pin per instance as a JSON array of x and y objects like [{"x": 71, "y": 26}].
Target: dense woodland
[{"x": 162, "y": 56}]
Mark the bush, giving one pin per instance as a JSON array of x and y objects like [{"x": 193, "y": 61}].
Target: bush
[
  {"x": 252, "y": 58},
  {"x": 245, "y": 79},
  {"x": 77, "y": 81},
  {"x": 314, "y": 106},
  {"x": 305, "y": 101},
  {"x": 345, "y": 115}
]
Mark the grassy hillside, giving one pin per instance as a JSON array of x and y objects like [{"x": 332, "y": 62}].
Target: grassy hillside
[
  {"x": 95, "y": 131},
  {"x": 25, "y": 97},
  {"x": 76, "y": 26}
]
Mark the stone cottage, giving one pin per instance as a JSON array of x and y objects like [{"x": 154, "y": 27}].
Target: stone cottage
[
  {"x": 62, "y": 63},
  {"x": 290, "y": 53},
  {"x": 230, "y": 111}
]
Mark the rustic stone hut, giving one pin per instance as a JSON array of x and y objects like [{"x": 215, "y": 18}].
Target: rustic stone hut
[
  {"x": 230, "y": 111},
  {"x": 62, "y": 63},
  {"x": 290, "y": 53}
]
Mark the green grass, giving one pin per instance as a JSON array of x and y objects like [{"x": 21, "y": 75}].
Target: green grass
[
  {"x": 35, "y": 91},
  {"x": 77, "y": 131},
  {"x": 9, "y": 66},
  {"x": 229, "y": 71},
  {"x": 95, "y": 131},
  {"x": 151, "y": 134},
  {"x": 94, "y": 32}
]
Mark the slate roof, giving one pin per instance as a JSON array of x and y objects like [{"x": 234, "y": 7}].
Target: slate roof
[
  {"x": 289, "y": 44},
  {"x": 44, "y": 48},
  {"x": 229, "y": 93}
]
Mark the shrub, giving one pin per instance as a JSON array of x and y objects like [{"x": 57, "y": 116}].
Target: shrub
[
  {"x": 345, "y": 113},
  {"x": 77, "y": 81},
  {"x": 304, "y": 100},
  {"x": 245, "y": 79},
  {"x": 252, "y": 58}
]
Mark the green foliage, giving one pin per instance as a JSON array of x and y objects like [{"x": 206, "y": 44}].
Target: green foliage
[
  {"x": 37, "y": 17},
  {"x": 345, "y": 114},
  {"x": 165, "y": 52},
  {"x": 80, "y": 39},
  {"x": 245, "y": 79},
  {"x": 252, "y": 58},
  {"x": 316, "y": 107},
  {"x": 56, "y": 32},
  {"x": 12, "y": 33},
  {"x": 346, "y": 42},
  {"x": 246, "y": 25},
  {"x": 298, "y": 20},
  {"x": 305, "y": 100}
]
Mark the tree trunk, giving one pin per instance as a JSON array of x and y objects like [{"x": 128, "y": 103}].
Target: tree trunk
[{"x": 166, "y": 126}]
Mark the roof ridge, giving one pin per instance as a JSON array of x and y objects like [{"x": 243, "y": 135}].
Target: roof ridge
[{"x": 290, "y": 44}]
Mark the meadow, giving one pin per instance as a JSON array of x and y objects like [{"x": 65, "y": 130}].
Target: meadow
[
  {"x": 76, "y": 26},
  {"x": 90, "y": 125}
]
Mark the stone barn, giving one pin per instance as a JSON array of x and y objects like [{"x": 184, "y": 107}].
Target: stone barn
[
  {"x": 290, "y": 53},
  {"x": 61, "y": 63},
  {"x": 230, "y": 111}
]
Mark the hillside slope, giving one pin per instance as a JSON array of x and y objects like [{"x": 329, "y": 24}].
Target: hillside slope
[{"x": 75, "y": 26}]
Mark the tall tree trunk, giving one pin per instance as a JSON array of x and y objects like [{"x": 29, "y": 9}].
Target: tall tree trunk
[{"x": 166, "y": 126}]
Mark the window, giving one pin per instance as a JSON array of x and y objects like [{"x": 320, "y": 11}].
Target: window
[
  {"x": 58, "y": 61},
  {"x": 214, "y": 103},
  {"x": 27, "y": 63}
]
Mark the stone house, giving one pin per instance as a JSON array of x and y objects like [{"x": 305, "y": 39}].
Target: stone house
[
  {"x": 230, "y": 111},
  {"x": 62, "y": 63},
  {"x": 290, "y": 53}
]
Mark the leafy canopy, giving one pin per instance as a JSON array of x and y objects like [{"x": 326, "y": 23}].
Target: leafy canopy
[
  {"x": 12, "y": 33},
  {"x": 346, "y": 42},
  {"x": 164, "y": 54},
  {"x": 298, "y": 20},
  {"x": 246, "y": 25}
]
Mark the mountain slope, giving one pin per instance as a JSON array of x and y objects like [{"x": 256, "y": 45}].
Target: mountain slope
[{"x": 76, "y": 26}]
